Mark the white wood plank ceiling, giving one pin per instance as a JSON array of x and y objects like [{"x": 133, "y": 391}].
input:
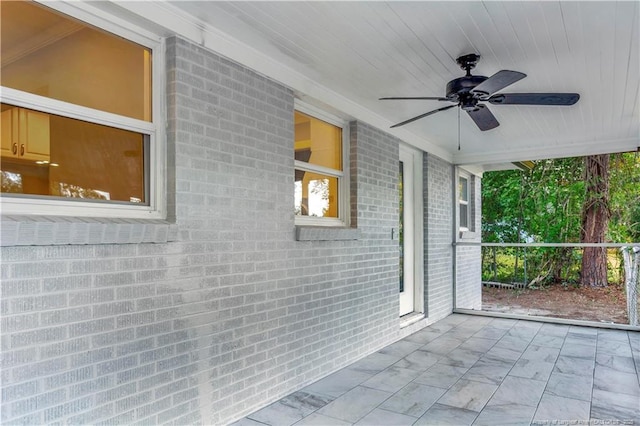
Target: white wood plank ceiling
[{"x": 352, "y": 53}]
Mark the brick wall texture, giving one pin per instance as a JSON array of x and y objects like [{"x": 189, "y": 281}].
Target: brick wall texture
[
  {"x": 469, "y": 258},
  {"x": 235, "y": 312}
]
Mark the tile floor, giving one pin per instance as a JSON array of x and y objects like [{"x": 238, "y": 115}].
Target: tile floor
[{"x": 472, "y": 370}]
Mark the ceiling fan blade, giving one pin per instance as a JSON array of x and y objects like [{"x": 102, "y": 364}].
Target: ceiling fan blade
[
  {"x": 422, "y": 116},
  {"x": 498, "y": 81},
  {"x": 422, "y": 98},
  {"x": 483, "y": 118},
  {"x": 535, "y": 98}
]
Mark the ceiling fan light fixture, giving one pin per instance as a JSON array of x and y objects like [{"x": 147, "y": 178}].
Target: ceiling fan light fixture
[{"x": 466, "y": 92}]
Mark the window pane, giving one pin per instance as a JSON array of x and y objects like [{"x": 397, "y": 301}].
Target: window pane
[
  {"x": 464, "y": 216},
  {"x": 463, "y": 189},
  {"x": 317, "y": 142},
  {"x": 316, "y": 195},
  {"x": 45, "y": 154},
  {"x": 49, "y": 54}
]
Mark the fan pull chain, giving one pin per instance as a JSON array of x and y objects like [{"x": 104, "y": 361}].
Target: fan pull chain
[{"x": 458, "y": 129}]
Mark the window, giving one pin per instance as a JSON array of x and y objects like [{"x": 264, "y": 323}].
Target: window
[
  {"x": 320, "y": 179},
  {"x": 463, "y": 202},
  {"x": 78, "y": 131}
]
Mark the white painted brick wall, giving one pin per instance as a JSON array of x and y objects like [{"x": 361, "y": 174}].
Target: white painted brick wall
[
  {"x": 233, "y": 313},
  {"x": 469, "y": 258},
  {"x": 438, "y": 236}
]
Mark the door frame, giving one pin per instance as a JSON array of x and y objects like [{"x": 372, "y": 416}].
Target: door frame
[{"x": 408, "y": 153}]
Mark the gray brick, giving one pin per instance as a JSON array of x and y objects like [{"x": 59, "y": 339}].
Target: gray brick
[
  {"x": 69, "y": 377},
  {"x": 92, "y": 356},
  {"x": 116, "y": 365},
  {"x": 39, "y": 269},
  {"x": 116, "y": 393},
  {"x": 37, "y": 402},
  {"x": 20, "y": 391},
  {"x": 20, "y": 287},
  {"x": 68, "y": 408},
  {"x": 62, "y": 316},
  {"x": 39, "y": 369},
  {"x": 13, "y": 323},
  {"x": 29, "y": 338},
  {"x": 67, "y": 283},
  {"x": 91, "y": 386},
  {"x": 89, "y": 417},
  {"x": 91, "y": 327},
  {"x": 136, "y": 373}
]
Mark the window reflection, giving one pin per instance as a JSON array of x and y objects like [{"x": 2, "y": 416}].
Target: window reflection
[{"x": 46, "y": 154}]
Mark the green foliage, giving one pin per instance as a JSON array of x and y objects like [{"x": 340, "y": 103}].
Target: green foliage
[{"x": 545, "y": 205}]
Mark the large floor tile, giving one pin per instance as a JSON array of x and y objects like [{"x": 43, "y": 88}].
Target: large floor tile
[
  {"x": 537, "y": 370},
  {"x": 624, "y": 364},
  {"x": 338, "y": 383},
  {"x": 573, "y": 365},
  {"x": 461, "y": 357},
  {"x": 570, "y": 386},
  {"x": 441, "y": 415},
  {"x": 614, "y": 406},
  {"x": 413, "y": 400},
  {"x": 578, "y": 349},
  {"x": 551, "y": 341},
  {"x": 478, "y": 344},
  {"x": 441, "y": 375},
  {"x": 374, "y": 363},
  {"x": 468, "y": 395},
  {"x": 401, "y": 348},
  {"x": 513, "y": 342},
  {"x": 279, "y": 414},
  {"x": 541, "y": 353},
  {"x": 505, "y": 414},
  {"x": 493, "y": 373},
  {"x": 355, "y": 404},
  {"x": 423, "y": 336},
  {"x": 491, "y": 332},
  {"x": 419, "y": 360},
  {"x": 498, "y": 354},
  {"x": 610, "y": 380},
  {"x": 518, "y": 390},
  {"x": 554, "y": 329},
  {"x": 554, "y": 407},
  {"x": 442, "y": 345},
  {"x": 614, "y": 347},
  {"x": 316, "y": 419},
  {"x": 392, "y": 379},
  {"x": 384, "y": 417},
  {"x": 246, "y": 422}
]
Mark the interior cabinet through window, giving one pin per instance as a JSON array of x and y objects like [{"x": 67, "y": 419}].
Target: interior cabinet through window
[{"x": 76, "y": 109}]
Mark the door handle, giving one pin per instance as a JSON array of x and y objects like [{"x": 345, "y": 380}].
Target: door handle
[
  {"x": 14, "y": 148},
  {"x": 21, "y": 150}
]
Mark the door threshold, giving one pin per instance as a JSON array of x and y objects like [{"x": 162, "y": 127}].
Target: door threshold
[{"x": 410, "y": 318}]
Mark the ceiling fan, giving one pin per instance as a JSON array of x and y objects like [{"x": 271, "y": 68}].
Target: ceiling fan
[{"x": 469, "y": 91}]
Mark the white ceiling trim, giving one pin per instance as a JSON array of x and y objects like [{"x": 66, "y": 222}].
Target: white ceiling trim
[
  {"x": 592, "y": 148},
  {"x": 185, "y": 25}
]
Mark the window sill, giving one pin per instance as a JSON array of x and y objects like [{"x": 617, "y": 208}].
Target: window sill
[
  {"x": 61, "y": 230},
  {"x": 326, "y": 233},
  {"x": 469, "y": 235}
]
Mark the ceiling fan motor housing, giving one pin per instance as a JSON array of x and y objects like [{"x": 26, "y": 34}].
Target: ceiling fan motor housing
[{"x": 460, "y": 86}]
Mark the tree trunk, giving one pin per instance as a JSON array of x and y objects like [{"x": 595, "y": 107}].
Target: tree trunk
[{"x": 595, "y": 220}]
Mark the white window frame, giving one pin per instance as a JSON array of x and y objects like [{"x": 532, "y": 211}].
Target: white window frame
[
  {"x": 343, "y": 176},
  {"x": 467, "y": 202},
  {"x": 155, "y": 158}
]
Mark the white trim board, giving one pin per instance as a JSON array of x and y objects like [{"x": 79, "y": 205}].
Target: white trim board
[{"x": 160, "y": 14}]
